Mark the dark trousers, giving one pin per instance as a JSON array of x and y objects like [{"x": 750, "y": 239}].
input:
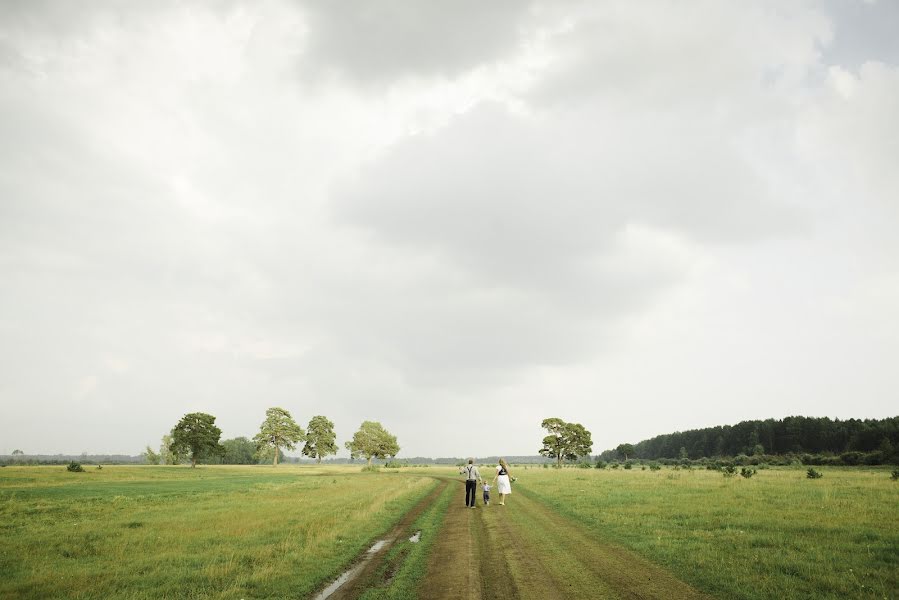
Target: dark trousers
[{"x": 471, "y": 487}]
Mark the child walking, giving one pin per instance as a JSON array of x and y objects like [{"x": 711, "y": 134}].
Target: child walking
[{"x": 487, "y": 487}]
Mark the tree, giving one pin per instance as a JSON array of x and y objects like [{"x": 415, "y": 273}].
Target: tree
[
  {"x": 320, "y": 438},
  {"x": 150, "y": 457},
  {"x": 625, "y": 450},
  {"x": 17, "y": 452},
  {"x": 372, "y": 441},
  {"x": 197, "y": 435},
  {"x": 264, "y": 455},
  {"x": 279, "y": 430},
  {"x": 166, "y": 455},
  {"x": 238, "y": 451},
  {"x": 566, "y": 441}
]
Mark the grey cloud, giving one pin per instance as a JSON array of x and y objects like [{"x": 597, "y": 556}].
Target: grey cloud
[
  {"x": 863, "y": 31},
  {"x": 530, "y": 212},
  {"x": 520, "y": 199},
  {"x": 388, "y": 40},
  {"x": 704, "y": 55}
]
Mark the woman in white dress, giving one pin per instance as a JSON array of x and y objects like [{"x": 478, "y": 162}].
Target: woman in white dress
[{"x": 503, "y": 484}]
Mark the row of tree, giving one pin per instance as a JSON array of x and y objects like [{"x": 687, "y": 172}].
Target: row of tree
[
  {"x": 793, "y": 435},
  {"x": 197, "y": 438}
]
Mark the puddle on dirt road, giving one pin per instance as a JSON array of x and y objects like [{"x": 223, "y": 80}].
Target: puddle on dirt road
[
  {"x": 416, "y": 538},
  {"x": 349, "y": 574}
]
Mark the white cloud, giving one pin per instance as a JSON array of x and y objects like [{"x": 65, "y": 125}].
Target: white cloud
[{"x": 641, "y": 217}]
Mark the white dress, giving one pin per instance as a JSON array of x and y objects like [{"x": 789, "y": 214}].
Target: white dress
[{"x": 503, "y": 485}]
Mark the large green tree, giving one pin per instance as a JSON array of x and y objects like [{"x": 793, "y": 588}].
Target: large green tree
[
  {"x": 320, "y": 438},
  {"x": 625, "y": 450},
  {"x": 239, "y": 451},
  {"x": 373, "y": 441},
  {"x": 279, "y": 430},
  {"x": 196, "y": 435},
  {"x": 566, "y": 441}
]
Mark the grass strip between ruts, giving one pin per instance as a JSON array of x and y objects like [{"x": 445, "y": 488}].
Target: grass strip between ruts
[{"x": 407, "y": 562}]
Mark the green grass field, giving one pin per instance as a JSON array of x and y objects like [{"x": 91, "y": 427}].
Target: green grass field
[
  {"x": 176, "y": 532},
  {"x": 776, "y": 535},
  {"x": 261, "y": 532}
]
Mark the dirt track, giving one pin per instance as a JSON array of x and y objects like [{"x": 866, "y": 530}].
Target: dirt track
[
  {"x": 521, "y": 550},
  {"x": 525, "y": 550}
]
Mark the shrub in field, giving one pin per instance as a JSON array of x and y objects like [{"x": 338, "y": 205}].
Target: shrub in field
[
  {"x": 394, "y": 464},
  {"x": 371, "y": 469},
  {"x": 628, "y": 466},
  {"x": 75, "y": 467},
  {"x": 895, "y": 475},
  {"x": 545, "y": 466},
  {"x": 852, "y": 458},
  {"x": 99, "y": 467},
  {"x": 874, "y": 458},
  {"x": 654, "y": 466},
  {"x": 584, "y": 465},
  {"x": 813, "y": 474},
  {"x": 614, "y": 465},
  {"x": 600, "y": 464},
  {"x": 728, "y": 470},
  {"x": 746, "y": 473}
]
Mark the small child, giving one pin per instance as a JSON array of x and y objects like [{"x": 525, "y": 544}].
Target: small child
[{"x": 487, "y": 487}]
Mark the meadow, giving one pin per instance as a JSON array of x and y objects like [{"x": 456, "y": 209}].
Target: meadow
[
  {"x": 176, "y": 532},
  {"x": 261, "y": 532},
  {"x": 775, "y": 535}
]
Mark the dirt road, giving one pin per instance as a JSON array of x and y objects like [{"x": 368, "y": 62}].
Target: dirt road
[
  {"x": 525, "y": 550},
  {"x": 521, "y": 550}
]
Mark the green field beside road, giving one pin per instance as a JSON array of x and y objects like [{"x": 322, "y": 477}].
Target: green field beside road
[
  {"x": 176, "y": 532},
  {"x": 775, "y": 535}
]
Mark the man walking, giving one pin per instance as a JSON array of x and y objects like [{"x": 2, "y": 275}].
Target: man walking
[{"x": 472, "y": 476}]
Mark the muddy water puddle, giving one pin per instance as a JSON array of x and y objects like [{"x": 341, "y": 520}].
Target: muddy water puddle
[{"x": 352, "y": 572}]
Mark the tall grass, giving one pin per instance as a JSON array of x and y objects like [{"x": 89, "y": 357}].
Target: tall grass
[
  {"x": 175, "y": 532},
  {"x": 777, "y": 535}
]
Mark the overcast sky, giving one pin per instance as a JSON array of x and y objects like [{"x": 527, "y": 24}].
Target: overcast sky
[{"x": 455, "y": 218}]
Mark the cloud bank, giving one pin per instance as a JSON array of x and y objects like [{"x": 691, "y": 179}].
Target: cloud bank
[{"x": 639, "y": 217}]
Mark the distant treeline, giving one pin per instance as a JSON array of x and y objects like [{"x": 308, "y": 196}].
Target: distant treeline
[
  {"x": 62, "y": 459},
  {"x": 234, "y": 456},
  {"x": 792, "y": 435}
]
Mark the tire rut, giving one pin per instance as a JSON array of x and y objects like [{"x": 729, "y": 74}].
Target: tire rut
[
  {"x": 372, "y": 565},
  {"x": 453, "y": 570}
]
